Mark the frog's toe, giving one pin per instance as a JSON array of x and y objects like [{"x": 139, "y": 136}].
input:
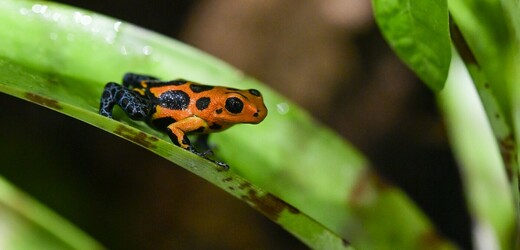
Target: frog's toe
[
  {"x": 208, "y": 152},
  {"x": 205, "y": 155},
  {"x": 222, "y": 165}
]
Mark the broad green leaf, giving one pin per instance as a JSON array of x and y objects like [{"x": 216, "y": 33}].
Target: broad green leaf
[
  {"x": 418, "y": 32},
  {"x": 61, "y": 57},
  {"x": 301, "y": 225}
]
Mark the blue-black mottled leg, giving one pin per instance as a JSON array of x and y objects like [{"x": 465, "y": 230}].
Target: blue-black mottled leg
[
  {"x": 135, "y": 106},
  {"x": 134, "y": 80}
]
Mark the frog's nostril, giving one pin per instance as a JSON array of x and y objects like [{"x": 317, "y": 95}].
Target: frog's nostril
[{"x": 255, "y": 114}]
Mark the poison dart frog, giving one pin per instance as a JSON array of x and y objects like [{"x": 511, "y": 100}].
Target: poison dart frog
[{"x": 181, "y": 107}]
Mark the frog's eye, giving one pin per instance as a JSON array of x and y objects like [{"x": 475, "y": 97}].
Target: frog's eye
[
  {"x": 234, "y": 105},
  {"x": 255, "y": 92}
]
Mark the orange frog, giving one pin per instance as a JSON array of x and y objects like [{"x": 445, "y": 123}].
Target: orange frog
[{"x": 181, "y": 107}]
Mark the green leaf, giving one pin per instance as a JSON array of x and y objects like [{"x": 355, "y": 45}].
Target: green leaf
[
  {"x": 486, "y": 35},
  {"x": 40, "y": 85},
  {"x": 488, "y": 30},
  {"x": 26, "y": 224},
  {"x": 418, "y": 31},
  {"x": 489, "y": 197},
  {"x": 61, "y": 57}
]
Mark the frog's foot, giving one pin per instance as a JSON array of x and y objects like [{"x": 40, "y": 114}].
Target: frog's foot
[
  {"x": 177, "y": 134},
  {"x": 222, "y": 164},
  {"x": 203, "y": 144},
  {"x": 205, "y": 155}
]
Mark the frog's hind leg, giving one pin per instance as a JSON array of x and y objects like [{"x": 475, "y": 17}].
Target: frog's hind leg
[
  {"x": 135, "y": 106},
  {"x": 132, "y": 80}
]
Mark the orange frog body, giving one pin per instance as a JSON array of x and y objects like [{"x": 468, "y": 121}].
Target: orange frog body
[{"x": 181, "y": 107}]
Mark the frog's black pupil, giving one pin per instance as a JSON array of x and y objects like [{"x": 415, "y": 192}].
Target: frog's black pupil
[{"x": 234, "y": 105}]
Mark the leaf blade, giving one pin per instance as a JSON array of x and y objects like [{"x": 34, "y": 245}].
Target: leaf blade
[{"x": 418, "y": 32}]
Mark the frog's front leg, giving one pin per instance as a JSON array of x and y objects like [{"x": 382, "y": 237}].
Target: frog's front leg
[
  {"x": 178, "y": 134},
  {"x": 178, "y": 131},
  {"x": 134, "y": 105}
]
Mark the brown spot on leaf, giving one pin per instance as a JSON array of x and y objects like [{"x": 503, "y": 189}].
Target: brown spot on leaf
[
  {"x": 44, "y": 101},
  {"x": 508, "y": 152},
  {"x": 268, "y": 204},
  {"x": 137, "y": 137},
  {"x": 462, "y": 46},
  {"x": 346, "y": 243},
  {"x": 244, "y": 185},
  {"x": 368, "y": 185},
  {"x": 227, "y": 179},
  {"x": 430, "y": 240}
]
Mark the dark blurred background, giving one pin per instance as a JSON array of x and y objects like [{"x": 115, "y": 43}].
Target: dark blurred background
[{"x": 328, "y": 56}]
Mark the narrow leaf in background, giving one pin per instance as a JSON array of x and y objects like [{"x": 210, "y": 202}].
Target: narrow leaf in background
[{"x": 489, "y": 197}]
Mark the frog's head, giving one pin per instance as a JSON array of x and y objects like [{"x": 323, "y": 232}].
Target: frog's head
[{"x": 240, "y": 106}]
